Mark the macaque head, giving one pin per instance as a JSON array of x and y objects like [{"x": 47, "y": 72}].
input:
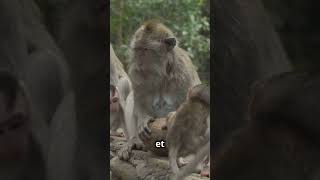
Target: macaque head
[
  {"x": 15, "y": 123},
  {"x": 114, "y": 99},
  {"x": 153, "y": 42},
  {"x": 114, "y": 79}
]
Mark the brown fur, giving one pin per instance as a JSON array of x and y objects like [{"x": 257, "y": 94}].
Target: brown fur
[
  {"x": 161, "y": 73},
  {"x": 120, "y": 79},
  {"x": 116, "y": 67},
  {"x": 187, "y": 127},
  {"x": 173, "y": 68}
]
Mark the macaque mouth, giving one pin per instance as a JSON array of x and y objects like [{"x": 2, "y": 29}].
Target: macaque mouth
[{"x": 114, "y": 96}]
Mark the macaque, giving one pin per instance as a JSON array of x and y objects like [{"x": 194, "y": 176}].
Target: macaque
[
  {"x": 120, "y": 87},
  {"x": 161, "y": 73},
  {"x": 188, "y": 130}
]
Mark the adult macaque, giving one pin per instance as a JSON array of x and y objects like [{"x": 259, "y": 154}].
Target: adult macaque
[
  {"x": 161, "y": 73},
  {"x": 188, "y": 130},
  {"x": 20, "y": 155},
  {"x": 281, "y": 141},
  {"x": 120, "y": 87}
]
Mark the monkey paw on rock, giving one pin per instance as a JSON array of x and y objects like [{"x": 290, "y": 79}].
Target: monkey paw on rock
[
  {"x": 125, "y": 152},
  {"x": 144, "y": 130}
]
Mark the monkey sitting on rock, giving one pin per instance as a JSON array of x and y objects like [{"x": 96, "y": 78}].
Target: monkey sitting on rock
[{"x": 161, "y": 73}]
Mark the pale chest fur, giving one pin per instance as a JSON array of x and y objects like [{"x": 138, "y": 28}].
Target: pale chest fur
[{"x": 160, "y": 97}]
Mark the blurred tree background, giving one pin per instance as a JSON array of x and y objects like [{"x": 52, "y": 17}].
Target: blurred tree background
[{"x": 188, "y": 19}]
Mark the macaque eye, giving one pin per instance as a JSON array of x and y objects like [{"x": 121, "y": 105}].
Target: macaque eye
[{"x": 112, "y": 89}]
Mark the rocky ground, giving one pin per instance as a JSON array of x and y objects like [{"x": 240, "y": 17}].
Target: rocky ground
[{"x": 141, "y": 166}]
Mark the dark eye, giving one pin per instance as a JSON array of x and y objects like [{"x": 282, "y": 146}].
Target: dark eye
[{"x": 112, "y": 88}]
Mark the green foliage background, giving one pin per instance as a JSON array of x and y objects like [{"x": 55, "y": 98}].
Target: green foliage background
[{"x": 188, "y": 19}]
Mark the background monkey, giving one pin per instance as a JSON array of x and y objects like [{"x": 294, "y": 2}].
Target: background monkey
[
  {"x": 120, "y": 87},
  {"x": 161, "y": 73},
  {"x": 188, "y": 130}
]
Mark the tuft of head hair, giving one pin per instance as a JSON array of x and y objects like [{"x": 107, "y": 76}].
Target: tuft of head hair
[{"x": 155, "y": 26}]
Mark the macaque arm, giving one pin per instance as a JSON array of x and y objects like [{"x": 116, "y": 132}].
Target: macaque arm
[
  {"x": 130, "y": 121},
  {"x": 140, "y": 113},
  {"x": 124, "y": 87},
  {"x": 173, "y": 157}
]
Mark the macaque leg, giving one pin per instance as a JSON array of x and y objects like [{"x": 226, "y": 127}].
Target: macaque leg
[
  {"x": 173, "y": 157},
  {"x": 189, "y": 168},
  {"x": 131, "y": 130}
]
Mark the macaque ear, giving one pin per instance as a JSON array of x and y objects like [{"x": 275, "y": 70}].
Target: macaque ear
[{"x": 170, "y": 43}]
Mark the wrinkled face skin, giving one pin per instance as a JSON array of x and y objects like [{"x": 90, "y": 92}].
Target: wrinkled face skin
[
  {"x": 15, "y": 129},
  {"x": 114, "y": 99}
]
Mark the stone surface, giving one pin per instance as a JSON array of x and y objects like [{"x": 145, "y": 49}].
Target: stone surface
[{"x": 142, "y": 165}]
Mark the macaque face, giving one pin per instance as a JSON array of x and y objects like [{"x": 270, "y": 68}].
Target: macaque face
[
  {"x": 15, "y": 128},
  {"x": 114, "y": 99},
  {"x": 152, "y": 43}
]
